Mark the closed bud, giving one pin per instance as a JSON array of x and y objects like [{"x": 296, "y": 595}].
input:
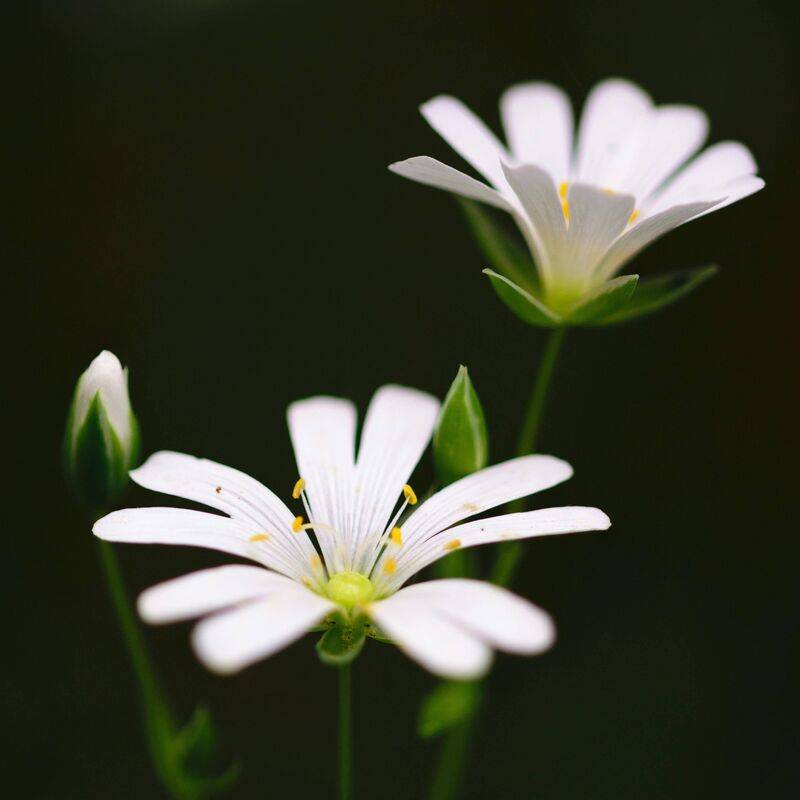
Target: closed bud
[
  {"x": 460, "y": 442},
  {"x": 101, "y": 443}
]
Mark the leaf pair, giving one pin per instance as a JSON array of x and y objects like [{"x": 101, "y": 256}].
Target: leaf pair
[{"x": 621, "y": 299}]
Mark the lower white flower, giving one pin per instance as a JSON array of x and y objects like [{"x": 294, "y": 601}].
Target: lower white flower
[{"x": 362, "y": 557}]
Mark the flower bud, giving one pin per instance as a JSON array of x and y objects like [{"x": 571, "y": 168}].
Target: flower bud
[
  {"x": 460, "y": 442},
  {"x": 101, "y": 443}
]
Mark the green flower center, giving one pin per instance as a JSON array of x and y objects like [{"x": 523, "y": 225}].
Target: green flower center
[{"x": 350, "y": 589}]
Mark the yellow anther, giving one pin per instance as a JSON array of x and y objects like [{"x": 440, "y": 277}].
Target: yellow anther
[
  {"x": 397, "y": 536},
  {"x": 608, "y": 191},
  {"x": 259, "y": 537},
  {"x": 298, "y": 488},
  {"x": 410, "y": 495},
  {"x": 453, "y": 544},
  {"x": 390, "y": 566},
  {"x": 297, "y": 525},
  {"x": 563, "y": 188},
  {"x": 316, "y": 563},
  {"x": 306, "y": 581},
  {"x": 632, "y": 217}
]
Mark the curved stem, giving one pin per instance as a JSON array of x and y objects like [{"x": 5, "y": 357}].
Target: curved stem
[
  {"x": 157, "y": 716},
  {"x": 449, "y": 773},
  {"x": 345, "y": 734},
  {"x": 508, "y": 559}
]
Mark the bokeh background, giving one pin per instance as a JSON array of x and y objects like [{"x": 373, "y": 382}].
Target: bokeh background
[{"x": 202, "y": 187}]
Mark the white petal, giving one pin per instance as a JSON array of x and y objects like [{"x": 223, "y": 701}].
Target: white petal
[
  {"x": 105, "y": 375},
  {"x": 737, "y": 189},
  {"x": 646, "y": 231},
  {"x": 539, "y": 199},
  {"x": 596, "y": 219},
  {"x": 702, "y": 178},
  {"x": 499, "y": 617},
  {"x": 231, "y": 491},
  {"x": 467, "y": 135},
  {"x": 397, "y": 429},
  {"x": 431, "y": 172},
  {"x": 656, "y": 148},
  {"x": 180, "y": 526},
  {"x": 544, "y": 522},
  {"x": 538, "y": 121},
  {"x": 200, "y": 593},
  {"x": 613, "y": 108},
  {"x": 232, "y": 640},
  {"x": 323, "y": 431},
  {"x": 481, "y": 491},
  {"x": 430, "y": 638}
]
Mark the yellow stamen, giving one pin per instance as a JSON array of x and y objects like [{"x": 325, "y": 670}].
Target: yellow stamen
[
  {"x": 632, "y": 217},
  {"x": 306, "y": 581},
  {"x": 297, "y": 525},
  {"x": 298, "y": 488},
  {"x": 260, "y": 537},
  {"x": 563, "y": 188},
  {"x": 397, "y": 536},
  {"x": 453, "y": 544},
  {"x": 316, "y": 563},
  {"x": 608, "y": 191},
  {"x": 390, "y": 566},
  {"x": 409, "y": 494}
]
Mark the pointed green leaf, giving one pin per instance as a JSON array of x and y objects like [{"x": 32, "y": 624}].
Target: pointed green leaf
[
  {"x": 499, "y": 247},
  {"x": 342, "y": 643},
  {"x": 201, "y": 772},
  {"x": 523, "y": 303},
  {"x": 448, "y": 705},
  {"x": 95, "y": 463},
  {"x": 460, "y": 441},
  {"x": 653, "y": 294},
  {"x": 604, "y": 301}
]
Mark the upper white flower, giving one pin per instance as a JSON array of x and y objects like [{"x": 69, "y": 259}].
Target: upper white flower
[
  {"x": 361, "y": 558},
  {"x": 587, "y": 203}
]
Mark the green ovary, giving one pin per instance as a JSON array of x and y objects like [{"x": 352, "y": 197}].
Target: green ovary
[{"x": 350, "y": 589}]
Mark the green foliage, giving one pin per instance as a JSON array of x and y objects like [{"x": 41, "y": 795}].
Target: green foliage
[
  {"x": 342, "y": 643},
  {"x": 95, "y": 460},
  {"x": 460, "y": 441},
  {"x": 448, "y": 705}
]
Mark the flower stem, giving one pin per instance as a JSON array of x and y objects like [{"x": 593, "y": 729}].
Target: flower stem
[
  {"x": 449, "y": 773},
  {"x": 507, "y": 561},
  {"x": 158, "y": 720},
  {"x": 345, "y": 734}
]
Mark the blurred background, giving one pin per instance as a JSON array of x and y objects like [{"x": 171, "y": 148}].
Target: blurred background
[{"x": 202, "y": 188}]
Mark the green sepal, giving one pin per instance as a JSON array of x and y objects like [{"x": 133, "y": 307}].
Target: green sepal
[
  {"x": 460, "y": 441},
  {"x": 604, "y": 301},
  {"x": 653, "y": 294},
  {"x": 196, "y": 754},
  {"x": 527, "y": 307},
  {"x": 498, "y": 246},
  {"x": 342, "y": 643},
  {"x": 95, "y": 462},
  {"x": 448, "y": 705}
]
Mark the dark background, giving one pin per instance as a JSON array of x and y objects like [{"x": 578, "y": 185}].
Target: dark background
[{"x": 202, "y": 188}]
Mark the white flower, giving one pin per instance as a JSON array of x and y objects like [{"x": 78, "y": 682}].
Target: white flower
[
  {"x": 361, "y": 558},
  {"x": 588, "y": 207}
]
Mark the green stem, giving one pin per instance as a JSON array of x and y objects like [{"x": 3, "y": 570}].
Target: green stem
[
  {"x": 450, "y": 768},
  {"x": 508, "y": 559},
  {"x": 159, "y": 723},
  {"x": 449, "y": 773},
  {"x": 345, "y": 734}
]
